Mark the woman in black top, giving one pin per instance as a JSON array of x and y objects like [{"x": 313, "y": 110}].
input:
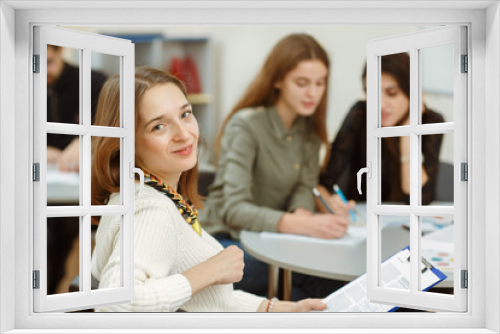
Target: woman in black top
[{"x": 348, "y": 150}]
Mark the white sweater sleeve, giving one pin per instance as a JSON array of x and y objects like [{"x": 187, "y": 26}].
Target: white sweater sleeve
[
  {"x": 156, "y": 245},
  {"x": 246, "y": 302}
]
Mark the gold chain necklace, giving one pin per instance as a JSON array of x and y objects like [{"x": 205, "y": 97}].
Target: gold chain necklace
[{"x": 187, "y": 211}]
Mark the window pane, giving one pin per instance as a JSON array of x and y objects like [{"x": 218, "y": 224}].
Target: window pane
[
  {"x": 395, "y": 90},
  {"x": 394, "y": 237},
  {"x": 438, "y": 250},
  {"x": 105, "y": 172},
  {"x": 63, "y": 86},
  {"x": 438, "y": 171},
  {"x": 103, "y": 66},
  {"x": 437, "y": 83},
  {"x": 63, "y": 254},
  {"x": 106, "y": 254},
  {"x": 93, "y": 232},
  {"x": 395, "y": 170},
  {"x": 63, "y": 175}
]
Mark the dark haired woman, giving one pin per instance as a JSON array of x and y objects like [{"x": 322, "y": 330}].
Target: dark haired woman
[
  {"x": 177, "y": 265},
  {"x": 348, "y": 150}
]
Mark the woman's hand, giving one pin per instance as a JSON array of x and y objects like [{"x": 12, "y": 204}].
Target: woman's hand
[
  {"x": 325, "y": 226},
  {"x": 223, "y": 268},
  {"x": 227, "y": 265},
  {"x": 69, "y": 158},
  {"x": 53, "y": 154},
  {"x": 304, "y": 305},
  {"x": 334, "y": 202},
  {"x": 303, "y": 212},
  {"x": 339, "y": 207}
]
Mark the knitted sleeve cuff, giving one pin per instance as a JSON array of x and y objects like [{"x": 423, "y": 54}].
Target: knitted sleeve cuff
[
  {"x": 246, "y": 302},
  {"x": 176, "y": 290}
]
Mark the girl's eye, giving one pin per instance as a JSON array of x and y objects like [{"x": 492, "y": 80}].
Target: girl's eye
[
  {"x": 392, "y": 92},
  {"x": 301, "y": 83},
  {"x": 186, "y": 114},
  {"x": 321, "y": 83},
  {"x": 158, "y": 127}
]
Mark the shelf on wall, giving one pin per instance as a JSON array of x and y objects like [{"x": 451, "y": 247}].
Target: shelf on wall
[{"x": 201, "y": 98}]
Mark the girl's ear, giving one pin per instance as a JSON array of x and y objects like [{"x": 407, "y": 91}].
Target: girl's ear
[{"x": 277, "y": 85}]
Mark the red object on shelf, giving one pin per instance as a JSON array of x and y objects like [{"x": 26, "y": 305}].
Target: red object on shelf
[
  {"x": 176, "y": 68},
  {"x": 192, "y": 78},
  {"x": 185, "y": 69}
]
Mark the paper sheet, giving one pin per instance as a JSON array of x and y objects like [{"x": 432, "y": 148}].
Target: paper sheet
[
  {"x": 395, "y": 274},
  {"x": 354, "y": 235}
]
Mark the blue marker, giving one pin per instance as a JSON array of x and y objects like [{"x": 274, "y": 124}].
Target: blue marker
[
  {"x": 342, "y": 197},
  {"x": 318, "y": 195}
]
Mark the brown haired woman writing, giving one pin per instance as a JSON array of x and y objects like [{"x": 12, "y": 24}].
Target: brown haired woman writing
[
  {"x": 269, "y": 159},
  {"x": 177, "y": 264}
]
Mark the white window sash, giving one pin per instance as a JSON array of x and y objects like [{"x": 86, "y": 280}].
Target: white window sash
[
  {"x": 412, "y": 43},
  {"x": 86, "y": 43}
]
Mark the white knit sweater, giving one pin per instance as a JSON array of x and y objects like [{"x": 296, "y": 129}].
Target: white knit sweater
[{"x": 164, "y": 247}]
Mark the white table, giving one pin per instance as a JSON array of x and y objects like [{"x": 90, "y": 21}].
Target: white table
[
  {"x": 333, "y": 260},
  {"x": 62, "y": 187}
]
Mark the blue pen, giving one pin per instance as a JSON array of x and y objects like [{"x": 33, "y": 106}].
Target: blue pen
[
  {"x": 318, "y": 195},
  {"x": 342, "y": 197}
]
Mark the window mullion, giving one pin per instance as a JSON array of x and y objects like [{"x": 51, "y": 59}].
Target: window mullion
[
  {"x": 373, "y": 157},
  {"x": 415, "y": 174},
  {"x": 85, "y": 166},
  {"x": 434, "y": 128},
  {"x": 127, "y": 118}
]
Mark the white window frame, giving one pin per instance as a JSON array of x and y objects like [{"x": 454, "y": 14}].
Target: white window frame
[
  {"x": 85, "y": 43},
  {"x": 412, "y": 44},
  {"x": 18, "y": 18}
]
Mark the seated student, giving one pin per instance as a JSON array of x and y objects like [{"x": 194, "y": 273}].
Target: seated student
[
  {"x": 348, "y": 150},
  {"x": 178, "y": 265},
  {"x": 269, "y": 160}
]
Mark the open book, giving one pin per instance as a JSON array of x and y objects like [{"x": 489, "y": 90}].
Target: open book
[{"x": 395, "y": 274}]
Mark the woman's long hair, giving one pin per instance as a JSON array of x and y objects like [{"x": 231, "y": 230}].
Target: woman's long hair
[
  {"x": 106, "y": 150},
  {"x": 284, "y": 57}
]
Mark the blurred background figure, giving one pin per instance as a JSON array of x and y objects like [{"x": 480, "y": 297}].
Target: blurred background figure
[
  {"x": 348, "y": 151},
  {"x": 269, "y": 161},
  {"x": 63, "y": 106}
]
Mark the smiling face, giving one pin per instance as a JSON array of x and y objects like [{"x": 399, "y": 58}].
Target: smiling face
[
  {"x": 394, "y": 102},
  {"x": 166, "y": 141},
  {"x": 302, "y": 89}
]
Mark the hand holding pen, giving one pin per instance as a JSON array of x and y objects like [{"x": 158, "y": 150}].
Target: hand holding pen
[
  {"x": 339, "y": 192},
  {"x": 329, "y": 225},
  {"x": 334, "y": 203}
]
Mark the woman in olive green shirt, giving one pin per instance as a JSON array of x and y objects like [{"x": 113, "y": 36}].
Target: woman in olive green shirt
[{"x": 269, "y": 156}]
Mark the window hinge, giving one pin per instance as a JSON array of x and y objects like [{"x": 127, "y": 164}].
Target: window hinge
[
  {"x": 36, "y": 63},
  {"x": 36, "y": 279},
  {"x": 36, "y": 172},
  {"x": 464, "y": 171},
  {"x": 465, "y": 64},
  {"x": 465, "y": 279}
]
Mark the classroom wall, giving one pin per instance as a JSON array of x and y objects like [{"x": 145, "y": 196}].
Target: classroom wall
[{"x": 239, "y": 52}]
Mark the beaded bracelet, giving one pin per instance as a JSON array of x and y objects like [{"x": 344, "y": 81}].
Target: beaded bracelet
[{"x": 270, "y": 304}]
